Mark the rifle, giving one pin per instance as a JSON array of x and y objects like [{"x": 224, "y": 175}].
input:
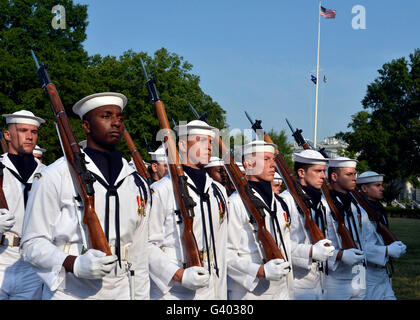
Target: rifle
[
  {"x": 82, "y": 178},
  {"x": 347, "y": 241},
  {"x": 3, "y": 142},
  {"x": 385, "y": 233},
  {"x": 387, "y": 236},
  {"x": 3, "y": 202},
  {"x": 252, "y": 203},
  {"x": 295, "y": 189},
  {"x": 179, "y": 181},
  {"x": 137, "y": 159},
  {"x": 149, "y": 148}
]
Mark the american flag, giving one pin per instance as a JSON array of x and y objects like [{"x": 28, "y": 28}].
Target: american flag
[{"x": 327, "y": 13}]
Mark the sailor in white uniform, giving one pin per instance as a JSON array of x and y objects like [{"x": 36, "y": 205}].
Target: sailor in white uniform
[
  {"x": 55, "y": 240},
  {"x": 170, "y": 277},
  {"x": 159, "y": 165},
  {"x": 309, "y": 259},
  {"x": 18, "y": 280},
  {"x": 250, "y": 277},
  {"x": 378, "y": 273},
  {"x": 346, "y": 279}
]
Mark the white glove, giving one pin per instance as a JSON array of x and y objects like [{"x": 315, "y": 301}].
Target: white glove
[
  {"x": 276, "y": 269},
  {"x": 352, "y": 256},
  {"x": 195, "y": 277},
  {"x": 7, "y": 220},
  {"x": 94, "y": 264},
  {"x": 320, "y": 252},
  {"x": 396, "y": 249}
]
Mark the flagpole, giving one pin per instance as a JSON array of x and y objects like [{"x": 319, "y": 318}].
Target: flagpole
[{"x": 317, "y": 73}]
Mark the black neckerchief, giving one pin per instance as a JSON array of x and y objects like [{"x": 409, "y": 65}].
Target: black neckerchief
[
  {"x": 24, "y": 164},
  {"x": 345, "y": 198},
  {"x": 379, "y": 208},
  {"x": 264, "y": 189},
  {"x": 198, "y": 176},
  {"x": 314, "y": 194},
  {"x": 345, "y": 208},
  {"x": 109, "y": 163},
  {"x": 316, "y": 205}
]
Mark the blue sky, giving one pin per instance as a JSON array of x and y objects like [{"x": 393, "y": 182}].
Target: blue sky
[{"x": 257, "y": 55}]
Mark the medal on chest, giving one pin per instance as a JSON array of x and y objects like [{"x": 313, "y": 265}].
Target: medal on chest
[{"x": 141, "y": 209}]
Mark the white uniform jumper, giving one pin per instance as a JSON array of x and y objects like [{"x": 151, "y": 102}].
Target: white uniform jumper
[
  {"x": 166, "y": 254},
  {"x": 345, "y": 282},
  {"x": 245, "y": 254},
  {"x": 18, "y": 280},
  {"x": 53, "y": 229},
  {"x": 378, "y": 279},
  {"x": 308, "y": 274}
]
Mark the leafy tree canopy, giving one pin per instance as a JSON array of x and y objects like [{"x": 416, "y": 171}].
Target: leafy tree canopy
[{"x": 387, "y": 133}]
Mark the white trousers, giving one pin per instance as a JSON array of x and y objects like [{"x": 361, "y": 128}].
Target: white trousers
[
  {"x": 378, "y": 284},
  {"x": 18, "y": 280}
]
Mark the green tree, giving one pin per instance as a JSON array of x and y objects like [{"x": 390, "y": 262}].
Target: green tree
[
  {"x": 285, "y": 148},
  {"x": 387, "y": 136},
  {"x": 176, "y": 87},
  {"x": 26, "y": 25}
]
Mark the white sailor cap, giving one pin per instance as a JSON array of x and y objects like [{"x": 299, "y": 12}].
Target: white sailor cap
[
  {"x": 342, "y": 162},
  {"x": 370, "y": 176},
  {"x": 97, "y": 100},
  {"x": 196, "y": 127},
  {"x": 310, "y": 157},
  {"x": 159, "y": 155},
  {"x": 24, "y": 117},
  {"x": 241, "y": 166},
  {"x": 39, "y": 150},
  {"x": 258, "y": 146},
  {"x": 214, "y": 162},
  {"x": 277, "y": 177}
]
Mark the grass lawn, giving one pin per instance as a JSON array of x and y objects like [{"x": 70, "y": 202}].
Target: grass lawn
[{"x": 406, "y": 277}]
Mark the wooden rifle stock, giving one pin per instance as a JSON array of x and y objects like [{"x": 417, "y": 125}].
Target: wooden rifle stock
[
  {"x": 385, "y": 233},
  {"x": 81, "y": 177},
  {"x": 3, "y": 142},
  {"x": 137, "y": 159},
  {"x": 3, "y": 202},
  {"x": 252, "y": 204},
  {"x": 179, "y": 181},
  {"x": 315, "y": 234},
  {"x": 347, "y": 241}
]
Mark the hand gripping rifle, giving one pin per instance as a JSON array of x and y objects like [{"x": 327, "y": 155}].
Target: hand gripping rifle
[
  {"x": 347, "y": 241},
  {"x": 315, "y": 234},
  {"x": 387, "y": 236},
  {"x": 179, "y": 181},
  {"x": 252, "y": 203},
  {"x": 385, "y": 233},
  {"x": 137, "y": 159},
  {"x": 82, "y": 178}
]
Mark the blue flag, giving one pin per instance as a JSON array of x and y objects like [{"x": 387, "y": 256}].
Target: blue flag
[{"x": 313, "y": 78}]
